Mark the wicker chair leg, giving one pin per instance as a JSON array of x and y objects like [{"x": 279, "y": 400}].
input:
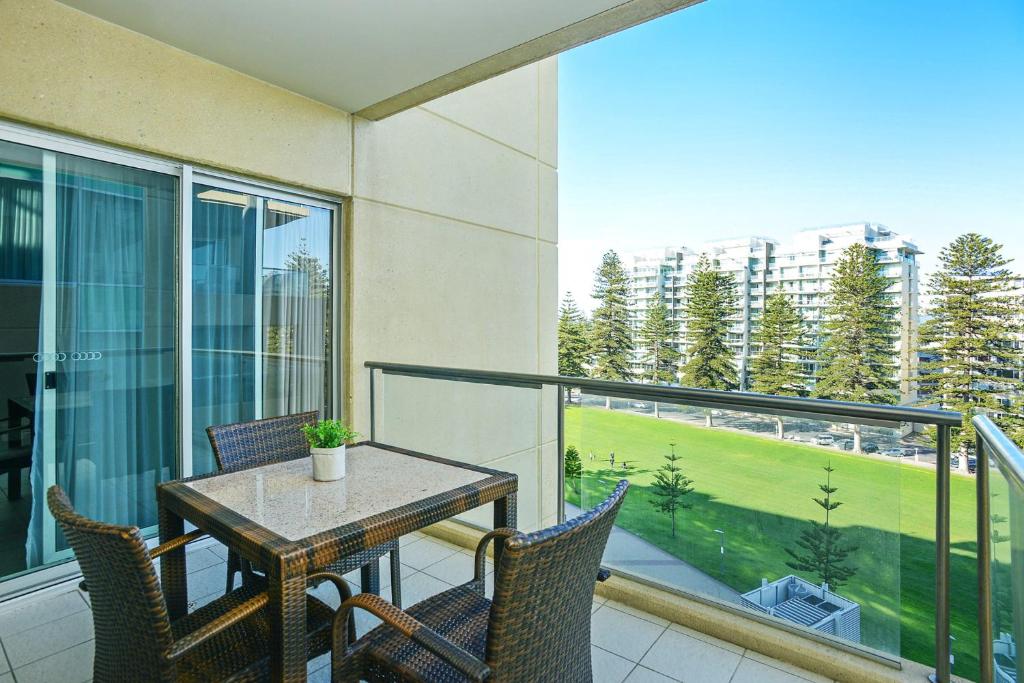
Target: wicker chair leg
[
  {"x": 369, "y": 577},
  {"x": 396, "y": 579},
  {"x": 234, "y": 566}
]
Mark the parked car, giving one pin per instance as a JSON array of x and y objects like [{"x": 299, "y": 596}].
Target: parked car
[
  {"x": 845, "y": 444},
  {"x": 893, "y": 452},
  {"x": 824, "y": 439},
  {"x": 869, "y": 448},
  {"x": 972, "y": 464}
]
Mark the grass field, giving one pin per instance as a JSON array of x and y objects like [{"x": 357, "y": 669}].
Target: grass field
[{"x": 759, "y": 490}]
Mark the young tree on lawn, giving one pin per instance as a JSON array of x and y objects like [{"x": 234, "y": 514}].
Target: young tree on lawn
[
  {"x": 824, "y": 553},
  {"x": 573, "y": 340},
  {"x": 856, "y": 355},
  {"x": 658, "y": 339},
  {"x": 611, "y": 343},
  {"x": 573, "y": 467},
  {"x": 670, "y": 488},
  {"x": 711, "y": 302},
  {"x": 775, "y": 370},
  {"x": 970, "y": 332}
]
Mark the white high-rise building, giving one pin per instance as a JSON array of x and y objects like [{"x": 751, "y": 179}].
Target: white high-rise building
[{"x": 802, "y": 268}]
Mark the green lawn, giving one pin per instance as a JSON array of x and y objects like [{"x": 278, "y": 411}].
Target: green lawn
[{"x": 759, "y": 491}]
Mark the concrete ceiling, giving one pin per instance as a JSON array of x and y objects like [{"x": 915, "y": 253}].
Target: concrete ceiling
[{"x": 375, "y": 57}]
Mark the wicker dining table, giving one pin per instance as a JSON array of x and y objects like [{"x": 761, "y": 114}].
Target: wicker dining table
[{"x": 280, "y": 519}]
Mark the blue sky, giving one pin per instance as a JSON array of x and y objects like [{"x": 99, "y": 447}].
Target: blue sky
[{"x": 738, "y": 117}]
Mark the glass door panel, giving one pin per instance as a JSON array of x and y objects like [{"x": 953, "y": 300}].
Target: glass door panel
[
  {"x": 223, "y": 314},
  {"x": 296, "y": 304},
  {"x": 261, "y": 284},
  {"x": 92, "y": 407},
  {"x": 21, "y": 291}
]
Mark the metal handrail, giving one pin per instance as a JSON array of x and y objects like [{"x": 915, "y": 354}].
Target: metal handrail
[
  {"x": 789, "y": 406},
  {"x": 992, "y": 445},
  {"x": 862, "y": 413}
]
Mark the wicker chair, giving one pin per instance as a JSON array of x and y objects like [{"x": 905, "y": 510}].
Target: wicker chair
[
  {"x": 537, "y": 628},
  {"x": 277, "y": 439},
  {"x": 229, "y": 638}
]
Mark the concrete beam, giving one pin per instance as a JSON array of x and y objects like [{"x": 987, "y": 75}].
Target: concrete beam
[{"x": 610, "y": 21}]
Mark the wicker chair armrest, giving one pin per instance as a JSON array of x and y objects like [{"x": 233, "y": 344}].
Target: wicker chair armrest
[
  {"x": 176, "y": 543},
  {"x": 216, "y": 626},
  {"x": 416, "y": 631},
  {"x": 480, "y": 561}
]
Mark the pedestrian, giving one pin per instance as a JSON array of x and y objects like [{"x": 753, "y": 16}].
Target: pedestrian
[{"x": 611, "y": 459}]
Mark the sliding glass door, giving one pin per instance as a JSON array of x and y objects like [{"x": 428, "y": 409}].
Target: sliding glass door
[
  {"x": 261, "y": 309},
  {"x": 87, "y": 371},
  {"x": 138, "y": 305}
]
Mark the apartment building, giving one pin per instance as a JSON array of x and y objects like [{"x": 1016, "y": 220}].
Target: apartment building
[{"x": 800, "y": 266}]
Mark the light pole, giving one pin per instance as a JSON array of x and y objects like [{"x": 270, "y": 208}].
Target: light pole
[{"x": 721, "y": 552}]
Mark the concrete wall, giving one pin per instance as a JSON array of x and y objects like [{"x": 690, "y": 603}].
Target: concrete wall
[{"x": 452, "y": 226}]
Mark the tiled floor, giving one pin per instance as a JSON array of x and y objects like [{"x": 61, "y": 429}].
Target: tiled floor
[{"x": 49, "y": 637}]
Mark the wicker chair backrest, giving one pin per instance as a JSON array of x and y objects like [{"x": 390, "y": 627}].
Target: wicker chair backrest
[
  {"x": 129, "y": 614},
  {"x": 539, "y": 625},
  {"x": 260, "y": 442}
]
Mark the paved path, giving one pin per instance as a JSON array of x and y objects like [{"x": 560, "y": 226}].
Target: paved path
[{"x": 636, "y": 556}]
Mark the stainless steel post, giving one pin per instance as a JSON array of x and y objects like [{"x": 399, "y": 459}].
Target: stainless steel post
[
  {"x": 984, "y": 559},
  {"x": 561, "y": 452},
  {"x": 942, "y": 644}
]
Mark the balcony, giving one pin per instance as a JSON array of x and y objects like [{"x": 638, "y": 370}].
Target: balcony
[
  {"x": 48, "y": 637},
  {"x": 716, "y": 600}
]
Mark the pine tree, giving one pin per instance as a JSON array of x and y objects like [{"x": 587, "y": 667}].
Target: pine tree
[
  {"x": 573, "y": 340},
  {"x": 856, "y": 356},
  {"x": 670, "y": 488},
  {"x": 658, "y": 339},
  {"x": 969, "y": 334},
  {"x": 711, "y": 302},
  {"x": 573, "y": 467},
  {"x": 611, "y": 343},
  {"x": 824, "y": 552},
  {"x": 774, "y": 369}
]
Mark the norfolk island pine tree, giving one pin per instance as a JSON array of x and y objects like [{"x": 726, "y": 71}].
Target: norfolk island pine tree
[
  {"x": 855, "y": 359},
  {"x": 611, "y": 340},
  {"x": 658, "y": 339},
  {"x": 775, "y": 370},
  {"x": 711, "y": 302}
]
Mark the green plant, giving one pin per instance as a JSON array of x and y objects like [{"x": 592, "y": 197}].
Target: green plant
[
  {"x": 573, "y": 467},
  {"x": 328, "y": 434}
]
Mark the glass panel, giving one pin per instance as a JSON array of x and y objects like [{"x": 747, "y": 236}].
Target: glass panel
[
  {"x": 21, "y": 290},
  {"x": 1007, "y": 519},
  {"x": 223, "y": 314},
  {"x": 296, "y": 308},
  {"x": 733, "y": 512},
  {"x": 261, "y": 270},
  {"x": 115, "y": 432},
  {"x": 87, "y": 345},
  {"x": 501, "y": 427}
]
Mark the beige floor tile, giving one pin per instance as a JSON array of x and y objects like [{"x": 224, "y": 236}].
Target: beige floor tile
[
  {"x": 643, "y": 675},
  {"x": 47, "y": 639},
  {"x": 608, "y": 667},
  {"x": 73, "y": 665},
  {"x": 455, "y": 569},
  {"x": 752, "y": 671},
  {"x": 784, "y": 666},
  {"x": 34, "y": 612},
  {"x": 690, "y": 660},
  {"x": 637, "y": 613},
  {"x": 724, "y": 644},
  {"x": 420, "y": 586},
  {"x": 425, "y": 552},
  {"x": 623, "y": 634}
]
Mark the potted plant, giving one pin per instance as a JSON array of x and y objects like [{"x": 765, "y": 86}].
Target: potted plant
[{"x": 327, "y": 440}]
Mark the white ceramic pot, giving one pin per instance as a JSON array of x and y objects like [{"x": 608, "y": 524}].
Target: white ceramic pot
[{"x": 328, "y": 463}]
